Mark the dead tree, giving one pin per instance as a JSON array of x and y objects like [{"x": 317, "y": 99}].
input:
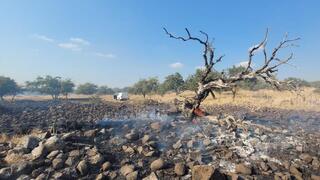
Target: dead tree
[{"x": 210, "y": 86}]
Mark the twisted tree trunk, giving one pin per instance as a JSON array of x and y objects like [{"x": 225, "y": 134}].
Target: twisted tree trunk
[{"x": 210, "y": 86}]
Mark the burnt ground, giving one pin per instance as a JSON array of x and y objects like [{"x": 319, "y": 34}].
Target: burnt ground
[
  {"x": 21, "y": 116},
  {"x": 291, "y": 120},
  {"x": 153, "y": 141}
]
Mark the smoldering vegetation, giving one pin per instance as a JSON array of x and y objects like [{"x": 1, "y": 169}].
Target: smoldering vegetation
[{"x": 154, "y": 141}]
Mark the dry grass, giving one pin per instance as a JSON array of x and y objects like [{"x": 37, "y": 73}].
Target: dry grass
[
  {"x": 307, "y": 100},
  {"x": 18, "y": 139},
  {"x": 14, "y": 139},
  {"x": 4, "y": 138}
]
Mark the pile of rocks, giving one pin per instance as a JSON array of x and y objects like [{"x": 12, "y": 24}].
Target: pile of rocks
[{"x": 164, "y": 148}]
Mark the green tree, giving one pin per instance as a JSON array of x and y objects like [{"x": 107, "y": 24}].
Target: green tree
[
  {"x": 145, "y": 86},
  {"x": 116, "y": 90},
  {"x": 250, "y": 84},
  {"x": 103, "y": 90},
  {"x": 87, "y": 88},
  {"x": 8, "y": 87},
  {"x": 315, "y": 84},
  {"x": 162, "y": 89},
  {"x": 46, "y": 85},
  {"x": 191, "y": 82},
  {"x": 235, "y": 70},
  {"x": 173, "y": 82},
  {"x": 67, "y": 86},
  {"x": 125, "y": 89},
  {"x": 298, "y": 82}
]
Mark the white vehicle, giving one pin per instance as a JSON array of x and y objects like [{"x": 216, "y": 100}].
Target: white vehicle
[{"x": 122, "y": 96}]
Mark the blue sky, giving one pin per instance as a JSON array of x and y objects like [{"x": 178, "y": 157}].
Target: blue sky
[{"x": 116, "y": 43}]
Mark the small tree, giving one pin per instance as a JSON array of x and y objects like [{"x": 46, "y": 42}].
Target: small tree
[
  {"x": 125, "y": 89},
  {"x": 250, "y": 84},
  {"x": 298, "y": 82},
  {"x": 152, "y": 84},
  {"x": 8, "y": 87},
  {"x": 173, "y": 82},
  {"x": 315, "y": 84},
  {"x": 145, "y": 86},
  {"x": 162, "y": 89},
  {"x": 46, "y": 85},
  {"x": 191, "y": 82},
  {"x": 67, "y": 86},
  {"x": 103, "y": 90},
  {"x": 87, "y": 88},
  {"x": 15, "y": 91}
]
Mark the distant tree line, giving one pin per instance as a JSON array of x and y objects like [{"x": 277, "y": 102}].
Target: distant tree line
[
  {"x": 48, "y": 85},
  {"x": 175, "y": 82},
  {"x": 57, "y": 86}
]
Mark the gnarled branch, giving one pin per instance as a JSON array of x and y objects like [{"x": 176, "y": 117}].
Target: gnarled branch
[{"x": 265, "y": 72}]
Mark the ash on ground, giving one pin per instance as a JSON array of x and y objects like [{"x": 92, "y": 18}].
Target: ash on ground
[{"x": 155, "y": 142}]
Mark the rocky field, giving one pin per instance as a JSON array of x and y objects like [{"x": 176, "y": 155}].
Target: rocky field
[{"x": 46, "y": 140}]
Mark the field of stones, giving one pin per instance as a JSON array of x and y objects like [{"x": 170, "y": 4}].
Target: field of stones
[{"x": 152, "y": 140}]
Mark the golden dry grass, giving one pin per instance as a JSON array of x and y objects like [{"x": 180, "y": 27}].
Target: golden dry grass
[
  {"x": 307, "y": 100},
  {"x": 17, "y": 139}
]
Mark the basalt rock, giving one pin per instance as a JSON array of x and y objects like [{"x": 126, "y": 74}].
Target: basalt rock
[
  {"x": 96, "y": 160},
  {"x": 156, "y": 126},
  {"x": 82, "y": 167},
  {"x": 58, "y": 163},
  {"x": 126, "y": 169},
  {"x": 180, "y": 169},
  {"x": 306, "y": 157},
  {"x": 39, "y": 151},
  {"x": 5, "y": 173},
  {"x": 158, "y": 148},
  {"x": 295, "y": 171},
  {"x": 157, "y": 164},
  {"x": 53, "y": 154},
  {"x": 106, "y": 166},
  {"x": 243, "y": 169},
  {"x": 30, "y": 142},
  {"x": 202, "y": 172},
  {"x": 152, "y": 176},
  {"x": 132, "y": 176},
  {"x": 53, "y": 143}
]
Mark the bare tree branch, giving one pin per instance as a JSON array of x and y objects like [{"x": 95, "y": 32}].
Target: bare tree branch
[{"x": 265, "y": 72}]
